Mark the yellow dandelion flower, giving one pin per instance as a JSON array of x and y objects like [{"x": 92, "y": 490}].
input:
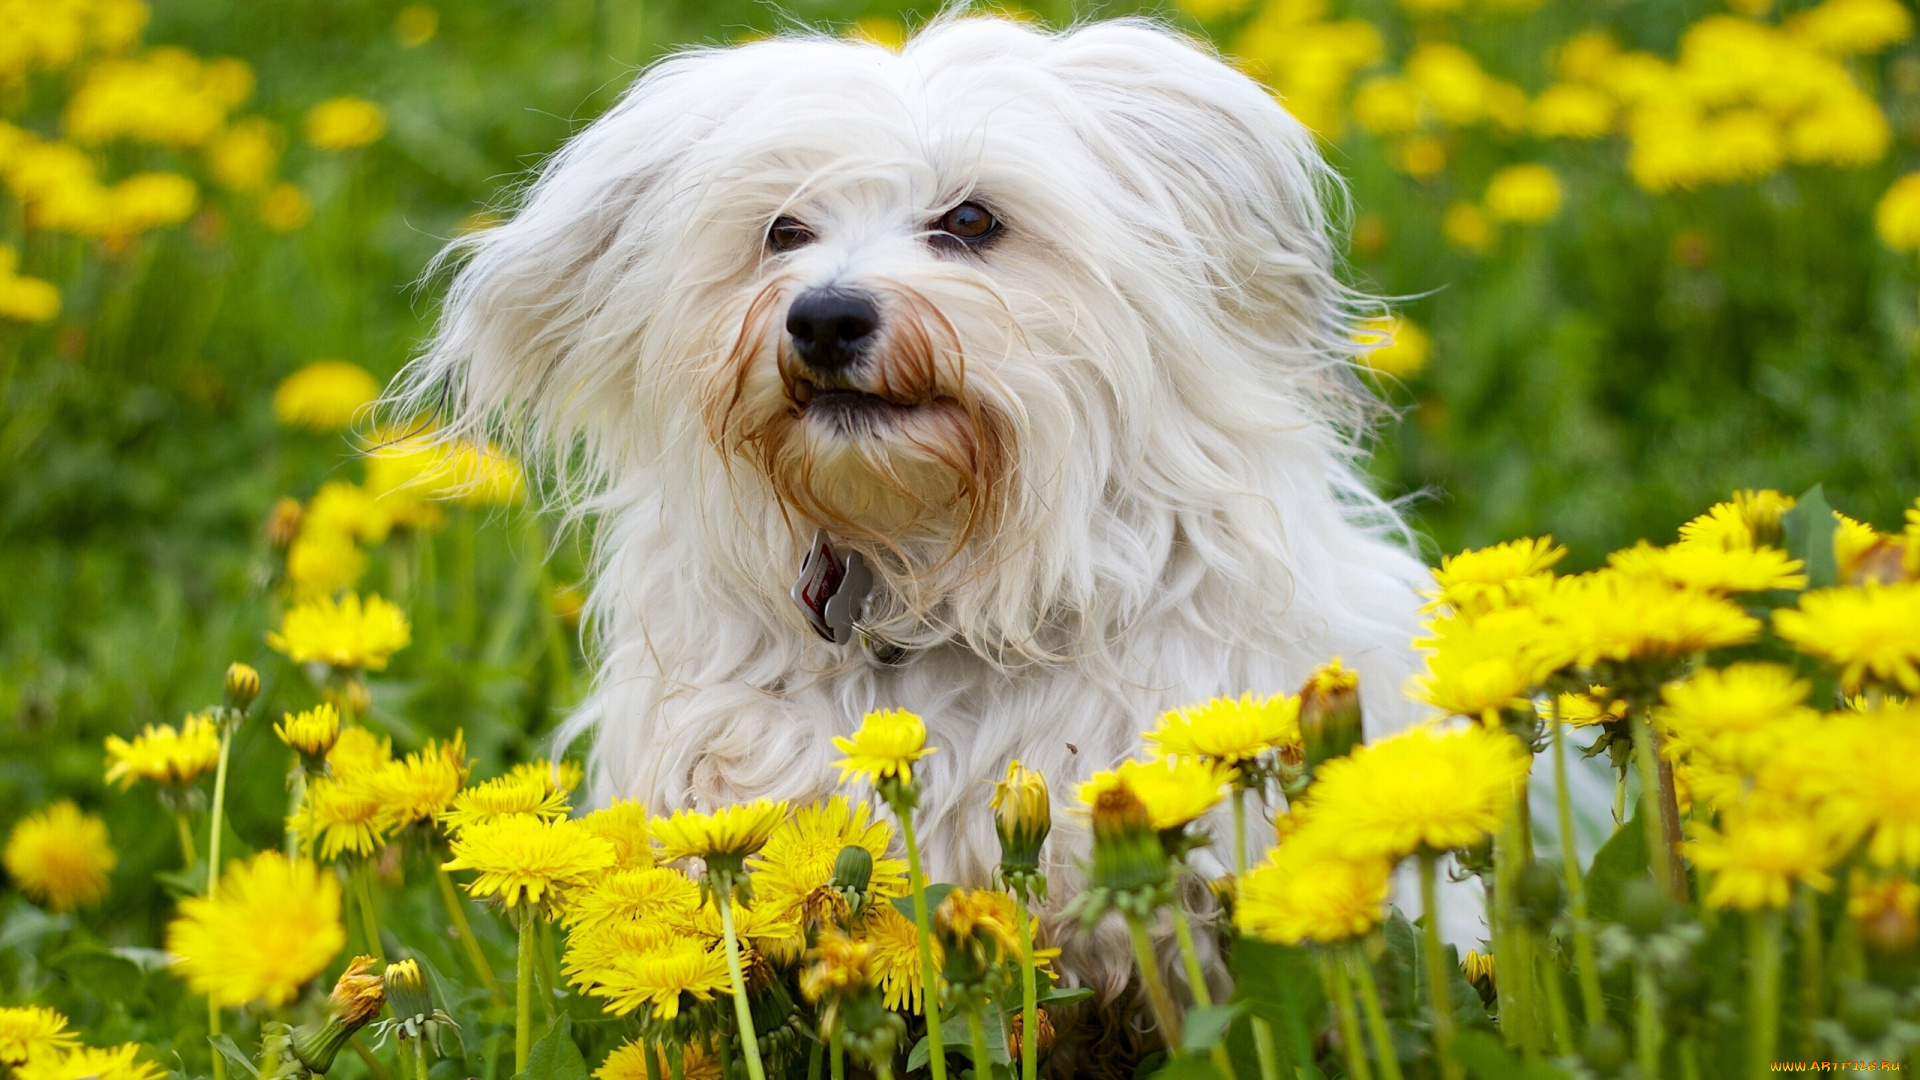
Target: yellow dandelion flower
[
  {"x": 346, "y": 509},
  {"x": 270, "y": 926},
  {"x": 1860, "y": 769},
  {"x": 1750, "y": 519},
  {"x": 1712, "y": 568},
  {"x": 32, "y": 1032},
  {"x": 1869, "y": 898},
  {"x": 886, "y": 746},
  {"x": 312, "y": 733},
  {"x": 778, "y": 935},
  {"x": 592, "y": 949},
  {"x": 629, "y": 1062},
  {"x": 1307, "y": 891},
  {"x": 793, "y": 870},
  {"x": 664, "y": 980},
  {"x": 526, "y": 861},
  {"x": 1739, "y": 715},
  {"x": 836, "y": 965},
  {"x": 92, "y": 1063},
  {"x": 1524, "y": 194},
  {"x": 1395, "y": 347},
  {"x": 162, "y": 755},
  {"x": 1571, "y": 111},
  {"x": 344, "y": 634},
  {"x": 1859, "y": 549},
  {"x": 324, "y": 396},
  {"x": 1607, "y": 615},
  {"x": 359, "y": 754},
  {"x": 1897, "y": 216},
  {"x": 1230, "y": 730},
  {"x": 1755, "y": 859},
  {"x": 730, "y": 832},
  {"x": 1424, "y": 788},
  {"x": 322, "y": 564},
  {"x": 561, "y": 778},
  {"x": 341, "y": 817},
  {"x": 60, "y": 857},
  {"x": 344, "y": 123},
  {"x": 972, "y": 919},
  {"x": 1872, "y": 631},
  {"x": 285, "y": 208},
  {"x": 653, "y": 895},
  {"x": 1175, "y": 792},
  {"x": 1474, "y": 582},
  {"x": 1596, "y": 706},
  {"x": 624, "y": 825},
  {"x": 1488, "y": 663},
  {"x": 1468, "y": 227},
  {"x": 896, "y": 956},
  {"x": 1847, "y": 27},
  {"x": 503, "y": 797},
  {"x": 420, "y": 787}
]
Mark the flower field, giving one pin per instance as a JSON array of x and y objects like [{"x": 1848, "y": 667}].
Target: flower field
[{"x": 279, "y": 672}]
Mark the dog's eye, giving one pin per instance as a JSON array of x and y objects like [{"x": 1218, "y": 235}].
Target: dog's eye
[
  {"x": 970, "y": 222},
  {"x": 788, "y": 234}
]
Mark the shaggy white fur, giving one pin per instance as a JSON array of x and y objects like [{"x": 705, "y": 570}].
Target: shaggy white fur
[{"x": 1109, "y": 461}]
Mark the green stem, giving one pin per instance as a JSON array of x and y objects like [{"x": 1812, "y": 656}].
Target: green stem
[
  {"x": 929, "y": 978},
  {"x": 1513, "y": 954},
  {"x": 549, "y": 985},
  {"x": 1197, "y": 982},
  {"x": 458, "y": 912},
  {"x": 1647, "y": 1035},
  {"x": 1150, "y": 979},
  {"x": 977, "y": 1035},
  {"x": 213, "y": 1032},
  {"x": 218, "y": 814},
  {"x": 1812, "y": 969},
  {"x": 1376, "y": 1016},
  {"x": 1439, "y": 991},
  {"x": 836, "y": 1055},
  {"x": 1264, "y": 1050},
  {"x": 816, "y": 1059},
  {"x": 650, "y": 1051},
  {"x": 1561, "y": 1022},
  {"x": 296, "y": 802},
  {"x": 749, "y": 1042},
  {"x": 523, "y": 995},
  {"x": 1689, "y": 1059},
  {"x": 369, "y": 917},
  {"x": 1340, "y": 994},
  {"x": 420, "y": 1058},
  {"x": 188, "y": 851},
  {"x": 1763, "y": 989},
  {"x": 676, "y": 1061},
  {"x": 1646, "y": 760},
  {"x": 1586, "y": 969},
  {"x": 1029, "y": 990}
]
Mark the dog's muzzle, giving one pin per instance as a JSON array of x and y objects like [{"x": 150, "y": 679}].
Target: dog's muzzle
[{"x": 831, "y": 328}]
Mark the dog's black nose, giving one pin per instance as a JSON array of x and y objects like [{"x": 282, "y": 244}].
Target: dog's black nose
[{"x": 829, "y": 327}]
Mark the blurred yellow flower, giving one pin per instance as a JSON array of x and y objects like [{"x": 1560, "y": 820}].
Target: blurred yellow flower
[
  {"x": 340, "y": 815},
  {"x": 415, "y": 25},
  {"x": 31, "y": 1032},
  {"x": 1739, "y": 715},
  {"x": 1420, "y": 156},
  {"x": 92, "y": 1063},
  {"x": 1176, "y": 792},
  {"x": 270, "y": 926},
  {"x": 285, "y": 208},
  {"x": 425, "y": 466},
  {"x": 1229, "y": 730},
  {"x": 22, "y": 298},
  {"x": 887, "y": 33},
  {"x": 1571, "y": 111},
  {"x": 1872, "y": 631},
  {"x": 729, "y": 832},
  {"x": 1860, "y": 772},
  {"x": 1467, "y": 226},
  {"x": 1478, "y": 665},
  {"x": 1750, "y": 519},
  {"x": 324, "y": 396},
  {"x": 887, "y": 744},
  {"x": 1450, "y": 81},
  {"x": 243, "y": 156},
  {"x": 1307, "y": 891},
  {"x": 503, "y": 797},
  {"x": 1610, "y": 616},
  {"x": 1712, "y": 568},
  {"x": 163, "y": 755},
  {"x": 1847, "y": 27},
  {"x": 1206, "y": 10},
  {"x": 1399, "y": 346},
  {"x": 1897, "y": 216},
  {"x": 346, "y": 509},
  {"x": 344, "y": 123},
  {"x": 1480, "y": 580},
  {"x": 1387, "y": 105},
  {"x": 1524, "y": 194},
  {"x": 322, "y": 563},
  {"x": 419, "y": 787},
  {"x": 623, "y": 823},
  {"x": 628, "y": 1061},
  {"x": 559, "y": 779},
  {"x": 345, "y": 634},
  {"x": 529, "y": 862},
  {"x": 168, "y": 96},
  {"x": 1423, "y": 789},
  {"x": 60, "y": 857},
  {"x": 1756, "y": 858}
]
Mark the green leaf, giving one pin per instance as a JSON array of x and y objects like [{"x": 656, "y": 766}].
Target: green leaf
[
  {"x": 224, "y": 1044},
  {"x": 1808, "y": 530},
  {"x": 1186, "y": 1067},
  {"x": 1620, "y": 860},
  {"x": 1206, "y": 1026},
  {"x": 1059, "y": 995},
  {"x": 935, "y": 893},
  {"x": 953, "y": 1029},
  {"x": 555, "y": 1056},
  {"x": 1280, "y": 985},
  {"x": 1486, "y": 1058}
]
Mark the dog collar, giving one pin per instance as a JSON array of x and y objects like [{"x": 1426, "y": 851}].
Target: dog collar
[{"x": 832, "y": 593}]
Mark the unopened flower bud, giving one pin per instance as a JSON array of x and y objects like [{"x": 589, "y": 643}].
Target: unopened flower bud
[
  {"x": 1540, "y": 893},
  {"x": 406, "y": 990},
  {"x": 312, "y": 734},
  {"x": 852, "y": 874},
  {"x": 1042, "y": 1034},
  {"x": 1330, "y": 724},
  {"x": 1022, "y": 816},
  {"x": 1127, "y": 853},
  {"x": 1478, "y": 968},
  {"x": 356, "y": 999},
  {"x": 242, "y": 686},
  {"x": 283, "y": 522}
]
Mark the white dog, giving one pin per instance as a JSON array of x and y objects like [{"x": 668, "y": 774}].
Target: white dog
[{"x": 1044, "y": 327}]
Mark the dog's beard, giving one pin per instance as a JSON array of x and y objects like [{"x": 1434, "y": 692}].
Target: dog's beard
[{"x": 902, "y": 450}]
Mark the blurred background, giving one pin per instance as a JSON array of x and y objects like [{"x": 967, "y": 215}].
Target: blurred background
[{"x": 1644, "y": 252}]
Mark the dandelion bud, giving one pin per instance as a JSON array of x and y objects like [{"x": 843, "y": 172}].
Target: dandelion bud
[
  {"x": 1478, "y": 968},
  {"x": 974, "y": 934},
  {"x": 313, "y": 734},
  {"x": 1330, "y": 713},
  {"x": 852, "y": 874},
  {"x": 1127, "y": 853},
  {"x": 1043, "y": 1034},
  {"x": 242, "y": 686},
  {"x": 356, "y": 999},
  {"x": 406, "y": 990},
  {"x": 283, "y": 523},
  {"x": 1022, "y": 816},
  {"x": 1540, "y": 894}
]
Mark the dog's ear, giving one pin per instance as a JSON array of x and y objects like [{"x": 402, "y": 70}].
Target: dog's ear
[{"x": 542, "y": 328}]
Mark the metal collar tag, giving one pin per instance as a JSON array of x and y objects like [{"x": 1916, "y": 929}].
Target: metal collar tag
[{"x": 831, "y": 590}]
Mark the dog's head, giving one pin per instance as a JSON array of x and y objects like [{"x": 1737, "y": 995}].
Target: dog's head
[{"x": 997, "y": 307}]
